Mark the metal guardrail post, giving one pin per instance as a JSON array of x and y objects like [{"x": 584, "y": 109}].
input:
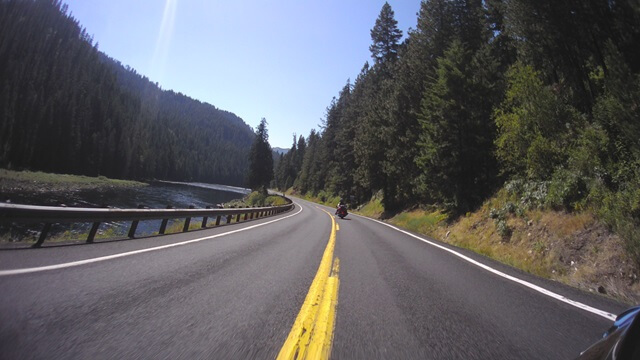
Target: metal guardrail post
[
  {"x": 43, "y": 235},
  {"x": 238, "y": 218},
  {"x": 187, "y": 221},
  {"x": 228, "y": 219},
  {"x": 204, "y": 220},
  {"x": 218, "y": 220},
  {"x": 163, "y": 224},
  {"x": 134, "y": 226},
  {"x": 93, "y": 231}
]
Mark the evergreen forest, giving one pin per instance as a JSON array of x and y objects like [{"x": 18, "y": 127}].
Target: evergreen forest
[
  {"x": 65, "y": 107},
  {"x": 538, "y": 97}
]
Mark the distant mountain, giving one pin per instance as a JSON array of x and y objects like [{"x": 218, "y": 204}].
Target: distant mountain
[
  {"x": 279, "y": 150},
  {"x": 66, "y": 107}
]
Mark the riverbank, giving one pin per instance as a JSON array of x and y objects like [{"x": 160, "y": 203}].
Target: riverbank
[
  {"x": 43, "y": 189},
  {"x": 39, "y": 182},
  {"x": 572, "y": 248}
]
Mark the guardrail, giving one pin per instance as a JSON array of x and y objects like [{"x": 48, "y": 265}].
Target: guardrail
[{"x": 16, "y": 213}]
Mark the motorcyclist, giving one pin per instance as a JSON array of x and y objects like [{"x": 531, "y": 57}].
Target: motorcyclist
[{"x": 341, "y": 205}]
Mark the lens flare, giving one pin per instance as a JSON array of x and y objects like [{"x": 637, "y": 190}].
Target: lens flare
[{"x": 161, "y": 52}]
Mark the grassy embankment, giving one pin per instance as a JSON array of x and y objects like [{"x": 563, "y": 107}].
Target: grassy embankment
[
  {"x": 258, "y": 199},
  {"x": 45, "y": 182},
  {"x": 321, "y": 198},
  {"x": 572, "y": 248}
]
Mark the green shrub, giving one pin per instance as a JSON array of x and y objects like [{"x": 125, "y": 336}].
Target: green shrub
[
  {"x": 503, "y": 229},
  {"x": 274, "y": 200},
  {"x": 566, "y": 190},
  {"x": 621, "y": 211},
  {"x": 255, "y": 198},
  {"x": 532, "y": 194},
  {"x": 509, "y": 207},
  {"x": 543, "y": 156},
  {"x": 259, "y": 199}
]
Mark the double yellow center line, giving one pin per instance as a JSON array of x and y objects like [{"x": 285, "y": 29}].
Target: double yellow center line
[{"x": 312, "y": 333}]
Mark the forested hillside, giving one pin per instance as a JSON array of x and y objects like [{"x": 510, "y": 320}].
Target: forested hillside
[
  {"x": 540, "y": 96},
  {"x": 66, "y": 107}
]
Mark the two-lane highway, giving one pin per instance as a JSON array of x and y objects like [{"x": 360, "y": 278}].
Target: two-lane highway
[
  {"x": 233, "y": 296},
  {"x": 234, "y": 292}
]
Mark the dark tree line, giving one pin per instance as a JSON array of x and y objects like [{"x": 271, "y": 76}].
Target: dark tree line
[
  {"x": 66, "y": 107},
  {"x": 540, "y": 95}
]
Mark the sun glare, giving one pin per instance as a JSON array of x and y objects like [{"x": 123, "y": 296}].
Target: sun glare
[{"x": 163, "y": 42}]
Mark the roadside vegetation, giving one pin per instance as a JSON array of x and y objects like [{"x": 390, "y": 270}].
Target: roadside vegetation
[
  {"x": 321, "y": 197},
  {"x": 256, "y": 199},
  {"x": 75, "y": 233}
]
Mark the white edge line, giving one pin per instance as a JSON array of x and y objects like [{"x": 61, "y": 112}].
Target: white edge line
[
  {"x": 537, "y": 288},
  {"x": 129, "y": 253}
]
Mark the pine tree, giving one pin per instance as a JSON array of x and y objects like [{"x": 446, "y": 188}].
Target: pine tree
[
  {"x": 260, "y": 160},
  {"x": 456, "y": 153},
  {"x": 385, "y": 36}
]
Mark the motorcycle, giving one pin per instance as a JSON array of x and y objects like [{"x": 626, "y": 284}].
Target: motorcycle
[{"x": 342, "y": 211}]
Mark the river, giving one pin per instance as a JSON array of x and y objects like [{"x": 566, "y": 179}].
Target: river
[{"x": 156, "y": 195}]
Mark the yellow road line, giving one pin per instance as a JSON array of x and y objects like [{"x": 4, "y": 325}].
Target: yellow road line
[{"x": 312, "y": 333}]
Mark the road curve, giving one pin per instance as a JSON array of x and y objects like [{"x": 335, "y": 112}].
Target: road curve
[{"x": 235, "y": 294}]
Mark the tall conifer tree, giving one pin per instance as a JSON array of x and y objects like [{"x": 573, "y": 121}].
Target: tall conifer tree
[
  {"x": 385, "y": 35},
  {"x": 260, "y": 160}
]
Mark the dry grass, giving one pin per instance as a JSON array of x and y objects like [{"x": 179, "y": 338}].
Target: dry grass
[
  {"x": 422, "y": 221},
  {"x": 571, "y": 248},
  {"x": 372, "y": 209}
]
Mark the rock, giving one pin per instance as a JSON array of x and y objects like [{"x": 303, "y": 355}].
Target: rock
[
  {"x": 572, "y": 262},
  {"x": 447, "y": 234},
  {"x": 530, "y": 223},
  {"x": 529, "y": 234},
  {"x": 602, "y": 290}
]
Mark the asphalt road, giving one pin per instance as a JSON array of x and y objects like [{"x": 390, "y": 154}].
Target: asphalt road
[{"x": 236, "y": 296}]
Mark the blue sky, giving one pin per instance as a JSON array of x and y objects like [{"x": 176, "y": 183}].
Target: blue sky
[{"x": 281, "y": 60}]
